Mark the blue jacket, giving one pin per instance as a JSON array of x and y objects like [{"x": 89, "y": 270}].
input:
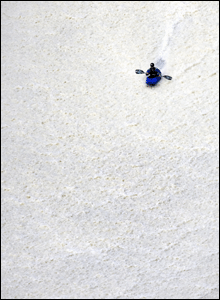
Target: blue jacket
[{"x": 157, "y": 70}]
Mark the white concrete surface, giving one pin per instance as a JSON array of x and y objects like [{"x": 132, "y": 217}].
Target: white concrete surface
[{"x": 109, "y": 188}]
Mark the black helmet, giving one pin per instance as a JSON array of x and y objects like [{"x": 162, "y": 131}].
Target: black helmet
[{"x": 152, "y": 65}]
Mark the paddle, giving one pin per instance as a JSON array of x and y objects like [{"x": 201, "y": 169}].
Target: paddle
[
  {"x": 167, "y": 77},
  {"x": 142, "y": 72},
  {"x": 139, "y": 72}
]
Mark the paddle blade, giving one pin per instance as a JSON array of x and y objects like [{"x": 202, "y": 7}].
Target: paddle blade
[
  {"x": 167, "y": 77},
  {"x": 139, "y": 72}
]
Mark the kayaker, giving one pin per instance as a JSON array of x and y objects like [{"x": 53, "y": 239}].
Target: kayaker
[{"x": 153, "y": 72}]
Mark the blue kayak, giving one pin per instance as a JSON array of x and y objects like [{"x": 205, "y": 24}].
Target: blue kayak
[
  {"x": 155, "y": 80},
  {"x": 152, "y": 81}
]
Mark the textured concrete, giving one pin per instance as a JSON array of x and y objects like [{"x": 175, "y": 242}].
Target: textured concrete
[{"x": 109, "y": 188}]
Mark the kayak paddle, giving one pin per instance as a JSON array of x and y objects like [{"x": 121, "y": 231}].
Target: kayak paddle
[
  {"x": 167, "y": 77},
  {"x": 142, "y": 72},
  {"x": 139, "y": 72}
]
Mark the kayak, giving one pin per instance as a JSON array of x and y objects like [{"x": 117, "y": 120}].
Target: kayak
[{"x": 153, "y": 81}]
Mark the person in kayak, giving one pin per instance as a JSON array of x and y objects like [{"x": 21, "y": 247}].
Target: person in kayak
[{"x": 153, "y": 72}]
